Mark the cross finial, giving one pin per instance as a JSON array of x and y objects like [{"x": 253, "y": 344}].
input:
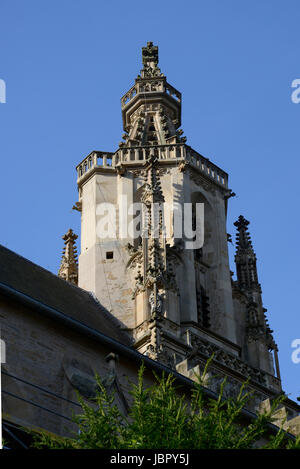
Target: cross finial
[
  {"x": 241, "y": 222},
  {"x": 70, "y": 236},
  {"x": 243, "y": 239},
  {"x": 150, "y": 55}
]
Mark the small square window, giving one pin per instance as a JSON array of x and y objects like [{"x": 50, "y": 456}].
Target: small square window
[{"x": 109, "y": 255}]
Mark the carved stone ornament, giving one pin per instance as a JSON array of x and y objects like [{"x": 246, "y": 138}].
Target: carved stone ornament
[{"x": 155, "y": 306}]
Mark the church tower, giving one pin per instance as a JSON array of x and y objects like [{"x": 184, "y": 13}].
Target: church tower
[{"x": 175, "y": 297}]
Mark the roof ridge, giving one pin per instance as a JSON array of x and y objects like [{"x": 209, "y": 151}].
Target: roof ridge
[
  {"x": 44, "y": 269},
  {"x": 88, "y": 297}
]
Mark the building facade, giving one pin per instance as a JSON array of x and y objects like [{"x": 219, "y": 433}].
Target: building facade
[
  {"x": 152, "y": 282},
  {"x": 177, "y": 300}
]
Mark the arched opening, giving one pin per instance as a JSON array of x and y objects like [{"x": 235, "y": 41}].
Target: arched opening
[{"x": 204, "y": 258}]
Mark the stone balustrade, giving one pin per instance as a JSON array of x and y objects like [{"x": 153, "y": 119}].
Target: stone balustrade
[
  {"x": 173, "y": 92},
  {"x": 129, "y": 95},
  {"x": 126, "y": 155},
  {"x": 151, "y": 86},
  {"x": 94, "y": 159}
]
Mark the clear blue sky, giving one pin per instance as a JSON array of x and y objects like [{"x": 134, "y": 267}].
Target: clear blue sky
[{"x": 66, "y": 63}]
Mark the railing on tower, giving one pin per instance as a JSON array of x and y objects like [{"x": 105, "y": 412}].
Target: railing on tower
[
  {"x": 93, "y": 160},
  {"x": 152, "y": 85},
  {"x": 179, "y": 152}
]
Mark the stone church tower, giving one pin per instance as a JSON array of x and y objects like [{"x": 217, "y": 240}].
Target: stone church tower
[{"x": 179, "y": 303}]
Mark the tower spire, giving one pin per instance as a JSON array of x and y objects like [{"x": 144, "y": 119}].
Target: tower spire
[
  {"x": 151, "y": 109},
  {"x": 257, "y": 327},
  {"x": 165, "y": 292},
  {"x": 69, "y": 266},
  {"x": 245, "y": 257}
]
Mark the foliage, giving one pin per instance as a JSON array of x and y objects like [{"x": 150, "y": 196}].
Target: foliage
[{"x": 161, "y": 417}]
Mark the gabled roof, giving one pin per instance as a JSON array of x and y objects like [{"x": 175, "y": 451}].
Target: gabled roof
[{"x": 34, "y": 281}]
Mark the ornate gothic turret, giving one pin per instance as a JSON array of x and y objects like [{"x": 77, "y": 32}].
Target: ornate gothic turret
[
  {"x": 69, "y": 267},
  {"x": 173, "y": 296},
  {"x": 151, "y": 109},
  {"x": 155, "y": 287},
  {"x": 259, "y": 339},
  {"x": 245, "y": 257}
]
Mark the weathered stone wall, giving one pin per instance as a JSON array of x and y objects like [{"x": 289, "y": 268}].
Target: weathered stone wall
[
  {"x": 54, "y": 359},
  {"x": 40, "y": 351}
]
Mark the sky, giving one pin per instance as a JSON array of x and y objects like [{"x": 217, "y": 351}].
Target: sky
[{"x": 66, "y": 64}]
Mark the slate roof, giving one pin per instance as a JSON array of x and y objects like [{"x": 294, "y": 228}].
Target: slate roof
[{"x": 42, "y": 285}]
